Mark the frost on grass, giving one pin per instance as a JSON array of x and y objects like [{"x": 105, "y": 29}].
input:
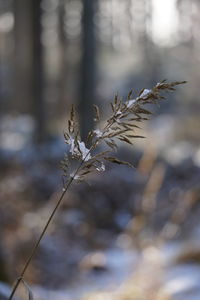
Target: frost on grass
[
  {"x": 145, "y": 93},
  {"x": 131, "y": 102},
  {"x": 121, "y": 126},
  {"x": 98, "y": 133},
  {"x": 79, "y": 149},
  {"x": 101, "y": 168}
]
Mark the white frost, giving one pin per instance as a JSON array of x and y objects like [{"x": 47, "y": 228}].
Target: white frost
[
  {"x": 79, "y": 150},
  {"x": 73, "y": 150},
  {"x": 118, "y": 113},
  {"x": 101, "y": 168},
  {"x": 98, "y": 133},
  {"x": 131, "y": 102},
  {"x": 75, "y": 177},
  {"x": 145, "y": 93},
  {"x": 84, "y": 151}
]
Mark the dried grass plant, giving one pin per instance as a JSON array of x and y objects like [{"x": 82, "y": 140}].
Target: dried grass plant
[{"x": 83, "y": 158}]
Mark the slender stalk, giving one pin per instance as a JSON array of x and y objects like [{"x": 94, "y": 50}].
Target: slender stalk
[
  {"x": 40, "y": 238},
  {"x": 65, "y": 189}
]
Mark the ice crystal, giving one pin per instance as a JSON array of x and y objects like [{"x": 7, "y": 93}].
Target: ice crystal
[
  {"x": 98, "y": 133},
  {"x": 79, "y": 149},
  {"x": 131, "y": 102},
  {"x": 85, "y": 152},
  {"x": 101, "y": 168},
  {"x": 145, "y": 93}
]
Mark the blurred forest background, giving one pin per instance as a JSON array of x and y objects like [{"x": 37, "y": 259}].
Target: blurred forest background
[
  {"x": 54, "y": 53},
  {"x": 57, "y": 52}
]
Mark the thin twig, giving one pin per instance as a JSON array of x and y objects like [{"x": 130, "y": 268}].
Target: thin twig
[{"x": 38, "y": 241}]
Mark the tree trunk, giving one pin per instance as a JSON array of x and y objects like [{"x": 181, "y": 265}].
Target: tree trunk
[
  {"x": 29, "y": 73},
  {"x": 38, "y": 73},
  {"x": 23, "y": 56},
  {"x": 88, "y": 68}
]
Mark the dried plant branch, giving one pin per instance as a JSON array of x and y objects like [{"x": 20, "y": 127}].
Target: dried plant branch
[{"x": 120, "y": 125}]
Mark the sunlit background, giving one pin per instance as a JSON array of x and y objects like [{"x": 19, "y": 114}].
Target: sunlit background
[{"x": 110, "y": 236}]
